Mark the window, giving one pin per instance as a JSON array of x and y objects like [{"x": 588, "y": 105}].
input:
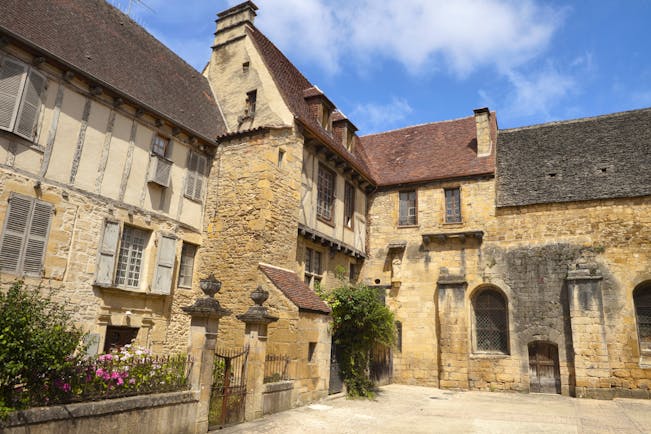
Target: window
[
  {"x": 311, "y": 350},
  {"x": 251, "y": 100},
  {"x": 160, "y": 145},
  {"x": 325, "y": 193},
  {"x": 121, "y": 258},
  {"x": 117, "y": 337},
  {"x": 353, "y": 273},
  {"x": 490, "y": 322},
  {"x": 408, "y": 208},
  {"x": 642, "y": 301},
  {"x": 452, "y": 205},
  {"x": 195, "y": 176},
  {"x": 349, "y": 205},
  {"x": 21, "y": 92},
  {"x": 187, "y": 265},
  {"x": 399, "y": 336},
  {"x": 25, "y": 235},
  {"x": 132, "y": 247},
  {"x": 313, "y": 268}
]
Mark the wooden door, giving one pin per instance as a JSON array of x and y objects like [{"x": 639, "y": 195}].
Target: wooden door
[{"x": 544, "y": 372}]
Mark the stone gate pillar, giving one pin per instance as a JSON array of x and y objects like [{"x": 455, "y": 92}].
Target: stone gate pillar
[
  {"x": 591, "y": 363},
  {"x": 257, "y": 319},
  {"x": 204, "y": 322}
]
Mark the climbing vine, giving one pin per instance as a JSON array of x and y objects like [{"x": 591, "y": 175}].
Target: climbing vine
[{"x": 360, "y": 322}]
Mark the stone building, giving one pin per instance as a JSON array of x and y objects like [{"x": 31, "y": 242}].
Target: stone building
[
  {"x": 513, "y": 259},
  {"x": 102, "y": 169}
]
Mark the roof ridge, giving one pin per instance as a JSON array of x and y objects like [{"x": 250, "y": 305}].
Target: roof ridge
[
  {"x": 417, "y": 126},
  {"x": 577, "y": 120}
]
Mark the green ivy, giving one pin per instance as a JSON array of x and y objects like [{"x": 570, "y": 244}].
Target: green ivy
[
  {"x": 37, "y": 337},
  {"x": 360, "y": 322}
]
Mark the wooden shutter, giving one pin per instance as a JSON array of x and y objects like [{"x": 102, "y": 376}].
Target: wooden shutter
[
  {"x": 201, "y": 168},
  {"x": 30, "y": 105},
  {"x": 191, "y": 178},
  {"x": 36, "y": 241},
  {"x": 162, "y": 283},
  {"x": 107, "y": 251},
  {"x": 16, "y": 224},
  {"x": 12, "y": 79}
]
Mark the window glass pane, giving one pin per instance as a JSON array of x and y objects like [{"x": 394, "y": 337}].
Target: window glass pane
[
  {"x": 642, "y": 299},
  {"x": 325, "y": 193},
  {"x": 132, "y": 247},
  {"x": 187, "y": 265},
  {"x": 159, "y": 147},
  {"x": 452, "y": 205},
  {"x": 491, "y": 322},
  {"x": 349, "y": 205},
  {"x": 407, "y": 208}
]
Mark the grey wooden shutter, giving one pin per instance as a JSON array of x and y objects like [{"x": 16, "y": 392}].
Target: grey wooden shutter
[
  {"x": 16, "y": 224},
  {"x": 107, "y": 252},
  {"x": 191, "y": 178},
  {"x": 201, "y": 168},
  {"x": 12, "y": 79},
  {"x": 36, "y": 240},
  {"x": 30, "y": 105},
  {"x": 162, "y": 283}
]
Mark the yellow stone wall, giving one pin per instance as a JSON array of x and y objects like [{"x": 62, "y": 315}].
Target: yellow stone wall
[{"x": 526, "y": 252}]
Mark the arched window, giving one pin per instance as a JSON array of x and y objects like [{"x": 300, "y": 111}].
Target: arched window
[
  {"x": 642, "y": 300},
  {"x": 491, "y": 324}
]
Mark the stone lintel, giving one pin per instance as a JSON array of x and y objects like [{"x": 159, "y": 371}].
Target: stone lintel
[
  {"x": 452, "y": 279},
  {"x": 583, "y": 274}
]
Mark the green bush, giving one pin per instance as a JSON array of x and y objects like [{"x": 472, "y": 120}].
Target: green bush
[
  {"x": 360, "y": 322},
  {"x": 37, "y": 338}
]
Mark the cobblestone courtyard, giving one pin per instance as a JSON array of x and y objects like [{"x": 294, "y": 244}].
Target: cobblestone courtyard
[{"x": 412, "y": 409}]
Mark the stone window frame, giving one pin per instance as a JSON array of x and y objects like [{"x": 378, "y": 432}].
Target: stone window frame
[
  {"x": 186, "y": 269},
  {"x": 25, "y": 235},
  {"x": 452, "y": 204},
  {"x": 506, "y": 350},
  {"x": 326, "y": 189},
  {"x": 251, "y": 102},
  {"x": 408, "y": 220},
  {"x": 642, "y": 304},
  {"x": 313, "y": 262}
]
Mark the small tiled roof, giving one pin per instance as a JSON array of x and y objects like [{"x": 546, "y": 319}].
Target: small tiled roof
[
  {"x": 439, "y": 150},
  {"x": 294, "y": 87},
  {"x": 97, "y": 39},
  {"x": 295, "y": 289}
]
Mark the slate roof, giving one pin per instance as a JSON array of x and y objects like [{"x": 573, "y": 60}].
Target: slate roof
[
  {"x": 582, "y": 159},
  {"x": 294, "y": 87},
  {"x": 295, "y": 289},
  {"x": 96, "y": 38},
  {"x": 439, "y": 150}
]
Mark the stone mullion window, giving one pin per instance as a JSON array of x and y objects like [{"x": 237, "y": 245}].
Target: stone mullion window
[
  {"x": 325, "y": 194},
  {"x": 491, "y": 322}
]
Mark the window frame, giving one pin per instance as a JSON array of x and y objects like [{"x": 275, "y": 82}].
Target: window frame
[
  {"x": 505, "y": 350},
  {"x": 27, "y": 88},
  {"x": 452, "y": 204},
  {"x": 251, "y": 103},
  {"x": 349, "y": 205},
  {"x": 326, "y": 194},
  {"x": 128, "y": 265},
  {"x": 32, "y": 223},
  {"x": 182, "y": 263},
  {"x": 158, "y": 138},
  {"x": 642, "y": 291},
  {"x": 313, "y": 269},
  {"x": 408, "y": 222}
]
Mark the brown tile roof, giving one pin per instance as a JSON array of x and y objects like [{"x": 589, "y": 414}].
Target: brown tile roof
[
  {"x": 439, "y": 150},
  {"x": 99, "y": 40},
  {"x": 294, "y": 289},
  {"x": 294, "y": 87}
]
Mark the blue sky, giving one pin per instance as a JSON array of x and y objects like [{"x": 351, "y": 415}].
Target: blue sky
[{"x": 393, "y": 63}]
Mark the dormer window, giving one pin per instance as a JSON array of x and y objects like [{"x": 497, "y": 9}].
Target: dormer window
[
  {"x": 325, "y": 119},
  {"x": 350, "y": 140},
  {"x": 251, "y": 99}
]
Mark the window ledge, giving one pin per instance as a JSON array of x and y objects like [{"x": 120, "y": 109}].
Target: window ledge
[
  {"x": 489, "y": 356},
  {"x": 327, "y": 222},
  {"x": 192, "y": 199},
  {"x": 452, "y": 224},
  {"x": 110, "y": 288},
  {"x": 408, "y": 226},
  {"x": 645, "y": 361}
]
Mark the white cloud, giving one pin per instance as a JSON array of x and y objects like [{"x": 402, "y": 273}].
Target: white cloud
[
  {"x": 538, "y": 93},
  {"x": 420, "y": 34},
  {"x": 373, "y": 117}
]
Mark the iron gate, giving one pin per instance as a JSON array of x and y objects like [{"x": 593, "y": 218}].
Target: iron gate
[{"x": 228, "y": 395}]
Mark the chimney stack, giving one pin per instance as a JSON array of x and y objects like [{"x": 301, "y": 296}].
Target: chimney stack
[
  {"x": 231, "y": 22},
  {"x": 483, "y": 125}
]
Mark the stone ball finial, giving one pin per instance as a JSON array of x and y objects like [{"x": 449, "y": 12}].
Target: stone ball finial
[
  {"x": 259, "y": 295},
  {"x": 210, "y": 285}
]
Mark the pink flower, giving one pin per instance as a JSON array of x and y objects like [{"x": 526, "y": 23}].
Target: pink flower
[
  {"x": 120, "y": 381},
  {"x": 66, "y": 387},
  {"x": 115, "y": 375},
  {"x": 99, "y": 372},
  {"x": 132, "y": 381}
]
